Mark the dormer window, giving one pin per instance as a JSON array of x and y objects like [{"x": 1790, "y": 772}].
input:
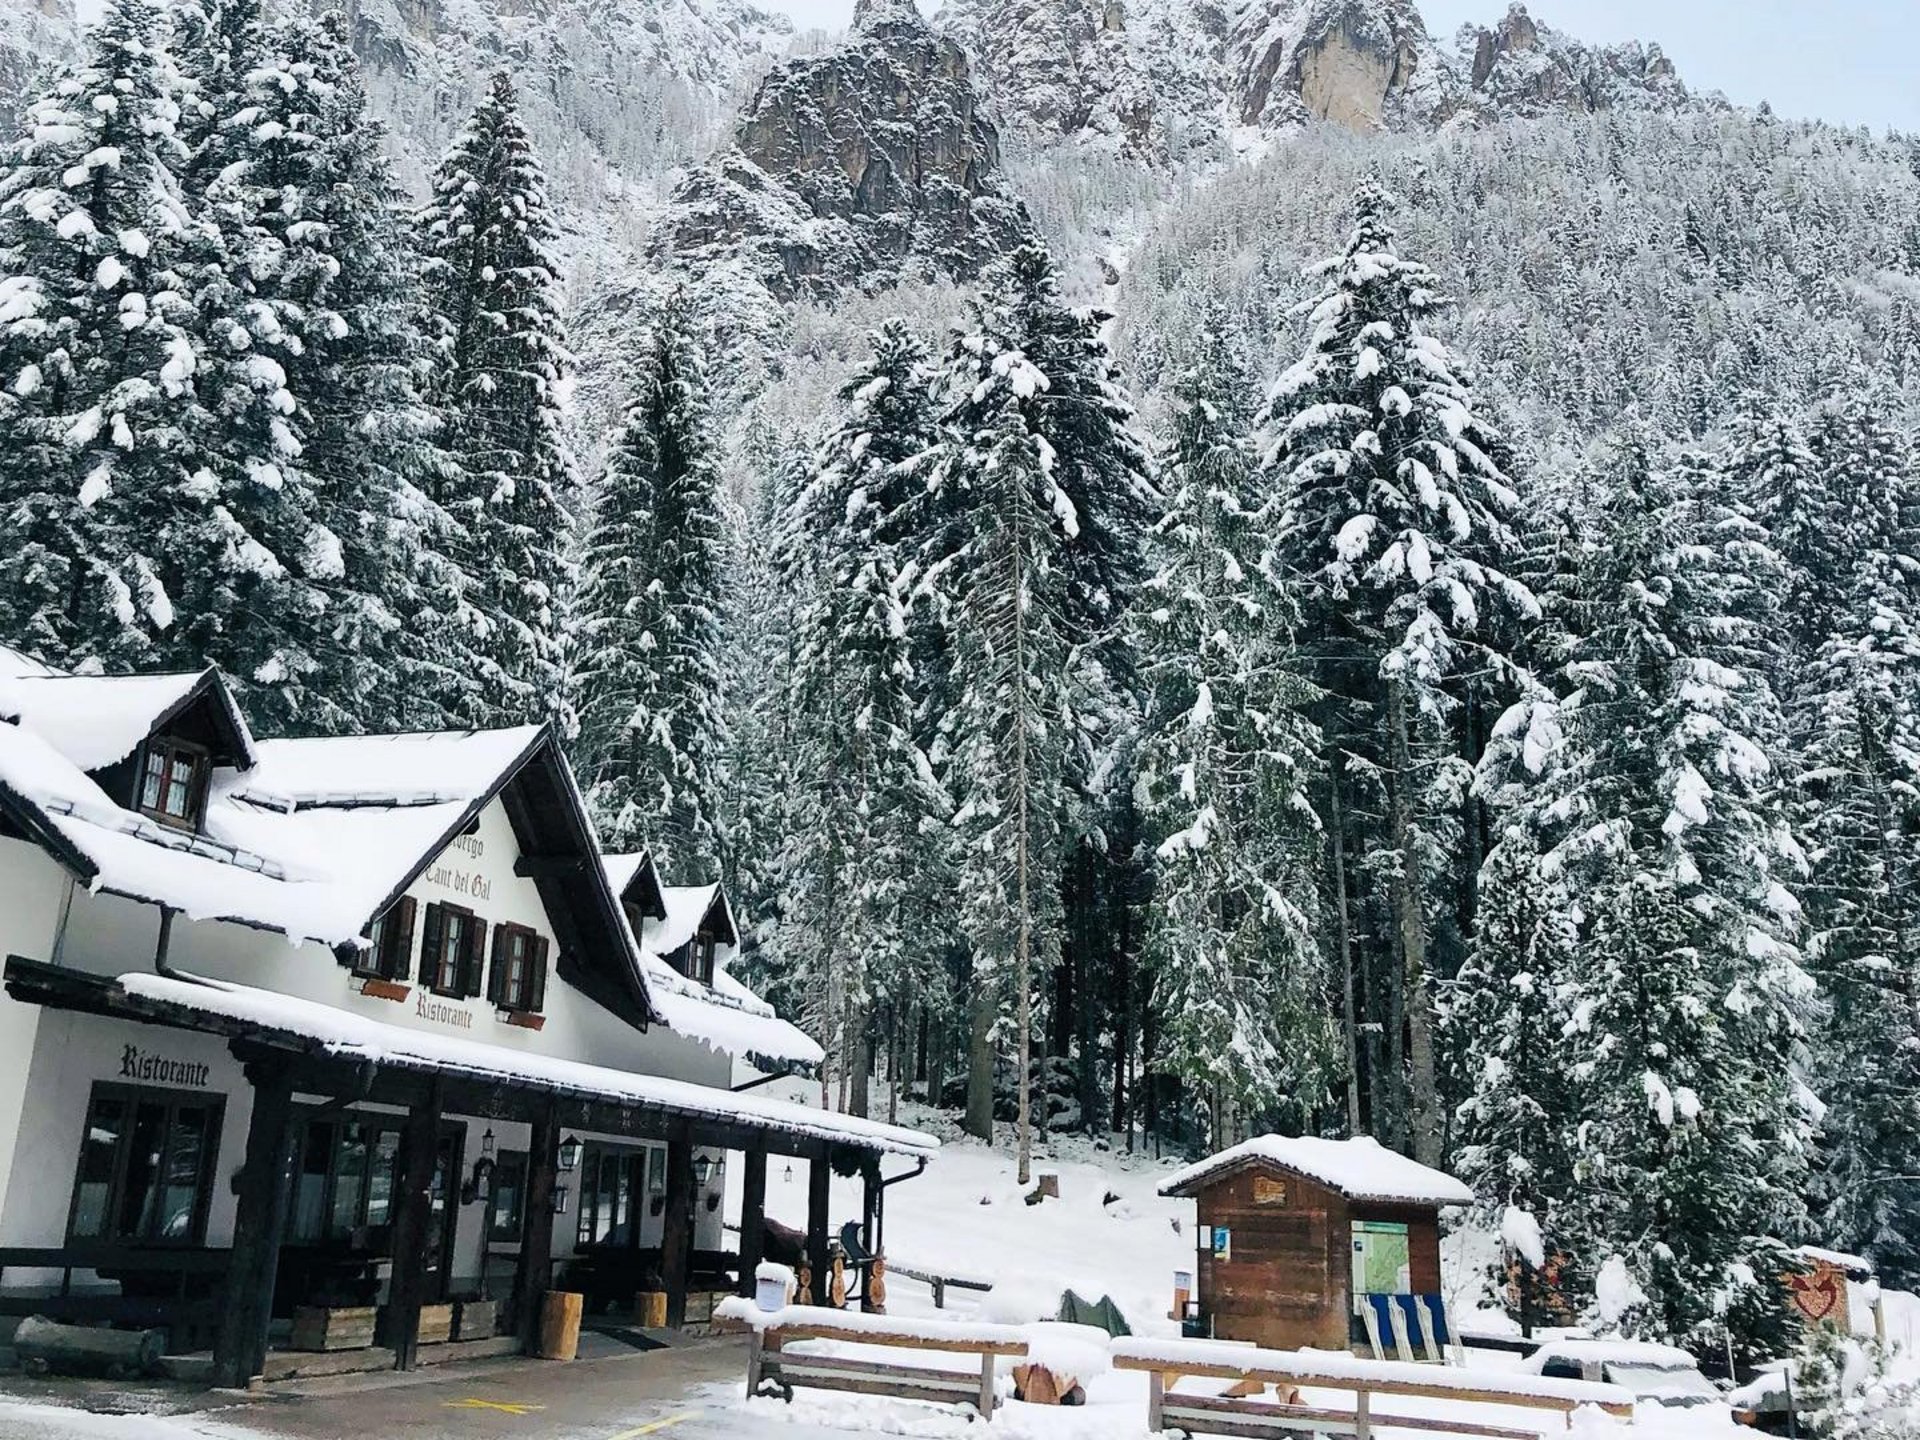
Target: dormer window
[
  {"x": 695, "y": 959},
  {"x": 173, "y": 782}
]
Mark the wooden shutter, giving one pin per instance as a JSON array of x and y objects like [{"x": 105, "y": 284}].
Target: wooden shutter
[
  {"x": 432, "y": 937},
  {"x": 393, "y": 964},
  {"x": 473, "y": 962},
  {"x": 537, "y": 974},
  {"x": 497, "y": 971}
]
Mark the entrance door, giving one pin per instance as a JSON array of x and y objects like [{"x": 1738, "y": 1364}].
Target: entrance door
[{"x": 444, "y": 1216}]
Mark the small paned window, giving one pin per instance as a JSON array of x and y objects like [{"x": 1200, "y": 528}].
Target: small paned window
[
  {"x": 518, "y": 979},
  {"x": 173, "y": 782},
  {"x": 452, "y": 950},
  {"x": 507, "y": 1207},
  {"x": 389, "y": 953}
]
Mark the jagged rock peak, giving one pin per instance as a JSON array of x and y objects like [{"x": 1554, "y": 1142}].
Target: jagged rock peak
[
  {"x": 1362, "y": 64},
  {"x": 855, "y": 168},
  {"x": 1521, "y": 66}
]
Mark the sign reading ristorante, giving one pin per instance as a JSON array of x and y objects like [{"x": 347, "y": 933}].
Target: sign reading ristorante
[{"x": 145, "y": 1065}]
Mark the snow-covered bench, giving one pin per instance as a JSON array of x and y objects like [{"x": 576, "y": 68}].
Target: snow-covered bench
[
  {"x": 1167, "y": 1362},
  {"x": 773, "y": 1369}
]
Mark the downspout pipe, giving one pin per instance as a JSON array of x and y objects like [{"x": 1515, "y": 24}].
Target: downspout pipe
[{"x": 163, "y": 942}]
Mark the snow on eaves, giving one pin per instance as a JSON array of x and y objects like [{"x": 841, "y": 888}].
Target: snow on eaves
[
  {"x": 390, "y": 770},
  {"x": 93, "y": 720},
  {"x": 1360, "y": 1168},
  {"x": 355, "y": 1037}
]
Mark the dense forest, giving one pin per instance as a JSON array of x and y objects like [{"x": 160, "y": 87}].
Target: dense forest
[{"x": 1436, "y": 655}]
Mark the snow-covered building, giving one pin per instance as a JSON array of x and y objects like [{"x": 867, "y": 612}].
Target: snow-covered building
[{"x": 354, "y": 1022}]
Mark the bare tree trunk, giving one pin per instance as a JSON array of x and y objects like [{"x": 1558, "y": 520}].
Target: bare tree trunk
[
  {"x": 986, "y": 1009},
  {"x": 1350, "y": 1028},
  {"x": 860, "y": 1024},
  {"x": 1424, "y": 1100},
  {"x": 1023, "y": 955}
]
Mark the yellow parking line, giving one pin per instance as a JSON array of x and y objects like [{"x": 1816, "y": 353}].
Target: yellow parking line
[
  {"x": 653, "y": 1426},
  {"x": 507, "y": 1407}
]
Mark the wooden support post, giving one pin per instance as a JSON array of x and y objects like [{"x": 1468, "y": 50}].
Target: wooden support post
[
  {"x": 753, "y": 1217},
  {"x": 413, "y": 1215},
  {"x": 1156, "y": 1400},
  {"x": 676, "y": 1242},
  {"x": 869, "y": 1228},
  {"x": 1362, "y": 1414},
  {"x": 986, "y": 1386},
  {"x": 531, "y": 1273},
  {"x": 756, "y": 1346},
  {"x": 240, "y": 1346},
  {"x": 819, "y": 1173}
]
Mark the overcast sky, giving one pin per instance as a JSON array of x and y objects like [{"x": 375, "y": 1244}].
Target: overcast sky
[{"x": 1845, "y": 60}]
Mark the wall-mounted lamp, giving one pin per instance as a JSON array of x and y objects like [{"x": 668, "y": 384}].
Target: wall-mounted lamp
[
  {"x": 789, "y": 1172},
  {"x": 479, "y": 1185},
  {"x": 561, "y": 1196},
  {"x": 703, "y": 1168},
  {"x": 570, "y": 1152}
]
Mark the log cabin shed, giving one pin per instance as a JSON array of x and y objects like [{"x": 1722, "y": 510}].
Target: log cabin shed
[{"x": 1312, "y": 1243}]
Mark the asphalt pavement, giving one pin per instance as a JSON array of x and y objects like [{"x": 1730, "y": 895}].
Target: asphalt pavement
[{"x": 686, "y": 1393}]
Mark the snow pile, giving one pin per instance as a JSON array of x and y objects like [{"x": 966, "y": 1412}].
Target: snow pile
[
  {"x": 1521, "y": 1232},
  {"x": 934, "y": 1334},
  {"x": 1361, "y": 1169},
  {"x": 93, "y": 720}
]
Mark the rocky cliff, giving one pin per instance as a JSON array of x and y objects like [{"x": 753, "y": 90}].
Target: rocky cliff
[
  {"x": 1162, "y": 75},
  {"x": 852, "y": 169},
  {"x": 35, "y": 36}
]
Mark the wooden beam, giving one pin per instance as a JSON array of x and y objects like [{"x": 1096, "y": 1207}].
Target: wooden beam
[
  {"x": 676, "y": 1241},
  {"x": 819, "y": 1174},
  {"x": 548, "y": 867},
  {"x": 532, "y": 1271},
  {"x": 240, "y": 1347},
  {"x": 753, "y": 1217},
  {"x": 419, "y": 1145}
]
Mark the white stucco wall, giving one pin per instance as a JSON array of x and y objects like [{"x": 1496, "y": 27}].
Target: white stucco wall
[{"x": 50, "y": 1060}]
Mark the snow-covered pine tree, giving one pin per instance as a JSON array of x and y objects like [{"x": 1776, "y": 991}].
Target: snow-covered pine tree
[
  {"x": 1040, "y": 507},
  {"x": 1392, "y": 521},
  {"x": 1226, "y": 765},
  {"x": 493, "y": 289},
  {"x": 388, "y": 641},
  {"x": 648, "y": 685},
  {"x": 866, "y": 809},
  {"x": 96, "y": 365},
  {"x": 1685, "y": 998},
  {"x": 1849, "y": 672}
]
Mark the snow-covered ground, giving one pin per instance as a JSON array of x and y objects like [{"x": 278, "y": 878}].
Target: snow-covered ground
[{"x": 966, "y": 1217}]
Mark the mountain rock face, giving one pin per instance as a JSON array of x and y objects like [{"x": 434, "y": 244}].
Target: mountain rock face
[
  {"x": 854, "y": 169},
  {"x": 1168, "y": 74},
  {"x": 35, "y": 36}
]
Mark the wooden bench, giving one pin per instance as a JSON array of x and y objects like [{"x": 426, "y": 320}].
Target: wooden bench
[
  {"x": 772, "y": 1369},
  {"x": 1168, "y": 1362},
  {"x": 938, "y": 1283}
]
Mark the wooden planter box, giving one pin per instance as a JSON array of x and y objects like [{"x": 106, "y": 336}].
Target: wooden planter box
[
  {"x": 475, "y": 1319},
  {"x": 333, "y": 1327},
  {"x": 436, "y": 1324}
]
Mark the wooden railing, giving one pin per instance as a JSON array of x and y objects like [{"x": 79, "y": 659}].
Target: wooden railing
[
  {"x": 1167, "y": 1363},
  {"x": 179, "y": 1290}
]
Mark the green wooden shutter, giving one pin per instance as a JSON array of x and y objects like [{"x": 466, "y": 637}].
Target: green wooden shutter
[
  {"x": 432, "y": 937},
  {"x": 497, "y": 971},
  {"x": 473, "y": 961},
  {"x": 394, "y": 963},
  {"x": 537, "y": 979}
]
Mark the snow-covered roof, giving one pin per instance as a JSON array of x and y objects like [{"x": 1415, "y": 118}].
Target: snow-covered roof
[
  {"x": 1839, "y": 1259},
  {"x": 341, "y": 1034},
  {"x": 1643, "y": 1354},
  {"x": 1360, "y": 1168},
  {"x": 726, "y": 1016},
  {"x": 392, "y": 771},
  {"x": 687, "y": 906},
  {"x": 99, "y": 720}
]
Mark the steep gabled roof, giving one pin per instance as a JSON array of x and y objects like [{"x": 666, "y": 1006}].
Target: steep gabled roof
[{"x": 97, "y": 721}]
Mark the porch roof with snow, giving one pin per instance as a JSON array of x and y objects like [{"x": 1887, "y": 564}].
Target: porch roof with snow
[
  {"x": 323, "y": 1033},
  {"x": 1360, "y": 1169}
]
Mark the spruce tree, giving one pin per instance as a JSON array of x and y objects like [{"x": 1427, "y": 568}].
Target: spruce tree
[
  {"x": 864, "y": 802},
  {"x": 493, "y": 289},
  {"x": 647, "y": 679},
  {"x": 1227, "y": 764},
  {"x": 1393, "y": 521},
  {"x": 1684, "y": 996},
  {"x": 96, "y": 359}
]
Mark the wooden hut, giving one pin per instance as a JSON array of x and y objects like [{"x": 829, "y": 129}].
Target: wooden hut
[{"x": 1327, "y": 1244}]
